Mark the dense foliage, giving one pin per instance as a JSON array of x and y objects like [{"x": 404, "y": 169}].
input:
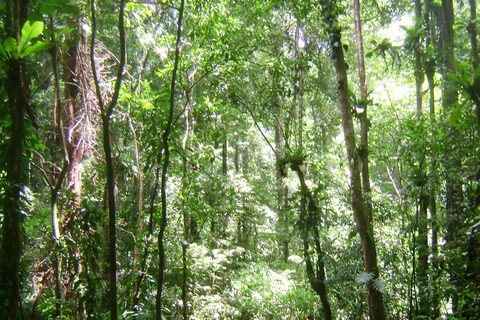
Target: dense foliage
[{"x": 208, "y": 160}]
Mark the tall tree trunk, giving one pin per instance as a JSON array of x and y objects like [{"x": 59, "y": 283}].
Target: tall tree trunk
[
  {"x": 422, "y": 218},
  {"x": 166, "y": 162},
  {"x": 107, "y": 112},
  {"x": 454, "y": 193},
  {"x": 299, "y": 85},
  {"x": 57, "y": 182},
  {"x": 76, "y": 80},
  {"x": 18, "y": 97},
  {"x": 137, "y": 220},
  {"x": 474, "y": 89},
  {"x": 429, "y": 67},
  {"x": 367, "y": 192},
  {"x": 375, "y": 299},
  {"x": 473, "y": 254},
  {"x": 281, "y": 188}
]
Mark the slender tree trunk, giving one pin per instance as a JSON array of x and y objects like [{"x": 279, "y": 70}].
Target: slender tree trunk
[
  {"x": 454, "y": 193},
  {"x": 472, "y": 29},
  {"x": 367, "y": 192},
  {"x": 106, "y": 116},
  {"x": 57, "y": 182},
  {"x": 137, "y": 220},
  {"x": 166, "y": 162},
  {"x": 299, "y": 85},
  {"x": 18, "y": 97},
  {"x": 281, "y": 188},
  {"x": 473, "y": 254},
  {"x": 375, "y": 299},
  {"x": 474, "y": 89},
  {"x": 422, "y": 225},
  {"x": 429, "y": 67},
  {"x": 184, "y": 278}
]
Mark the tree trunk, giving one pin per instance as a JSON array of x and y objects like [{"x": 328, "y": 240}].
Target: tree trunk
[
  {"x": 473, "y": 254},
  {"x": 166, "y": 162},
  {"x": 18, "y": 97},
  {"x": 429, "y": 67},
  {"x": 106, "y": 116},
  {"x": 453, "y": 186},
  {"x": 367, "y": 193},
  {"x": 375, "y": 299},
  {"x": 474, "y": 89},
  {"x": 58, "y": 180},
  {"x": 282, "y": 189},
  {"x": 299, "y": 85},
  {"x": 422, "y": 214}
]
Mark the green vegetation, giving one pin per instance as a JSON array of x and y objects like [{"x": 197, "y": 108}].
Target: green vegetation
[{"x": 239, "y": 160}]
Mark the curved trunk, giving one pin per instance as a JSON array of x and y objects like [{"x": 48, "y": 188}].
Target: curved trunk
[{"x": 375, "y": 299}]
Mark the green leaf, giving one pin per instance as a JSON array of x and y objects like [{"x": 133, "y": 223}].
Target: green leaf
[
  {"x": 379, "y": 285},
  {"x": 29, "y": 32},
  {"x": 3, "y": 52},
  {"x": 10, "y": 46},
  {"x": 459, "y": 25},
  {"x": 364, "y": 277},
  {"x": 456, "y": 114},
  {"x": 35, "y": 48}
]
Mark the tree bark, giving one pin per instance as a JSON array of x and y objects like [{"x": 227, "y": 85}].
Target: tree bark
[
  {"x": 429, "y": 67},
  {"x": 166, "y": 162},
  {"x": 58, "y": 180},
  {"x": 452, "y": 161},
  {"x": 367, "y": 192},
  {"x": 106, "y": 116},
  {"x": 422, "y": 214},
  {"x": 298, "y": 98},
  {"x": 281, "y": 188},
  {"x": 18, "y": 97},
  {"x": 375, "y": 299}
]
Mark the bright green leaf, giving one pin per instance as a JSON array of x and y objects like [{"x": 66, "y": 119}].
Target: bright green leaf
[
  {"x": 35, "y": 48},
  {"x": 459, "y": 25},
  {"x": 10, "y": 46},
  {"x": 3, "y": 52},
  {"x": 30, "y": 32}
]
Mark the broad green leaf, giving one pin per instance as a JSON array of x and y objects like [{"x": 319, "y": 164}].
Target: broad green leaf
[
  {"x": 10, "y": 46},
  {"x": 3, "y": 52},
  {"x": 459, "y": 25},
  {"x": 29, "y": 32},
  {"x": 35, "y": 48}
]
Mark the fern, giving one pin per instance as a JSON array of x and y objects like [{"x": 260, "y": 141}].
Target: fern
[
  {"x": 364, "y": 277},
  {"x": 379, "y": 285}
]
